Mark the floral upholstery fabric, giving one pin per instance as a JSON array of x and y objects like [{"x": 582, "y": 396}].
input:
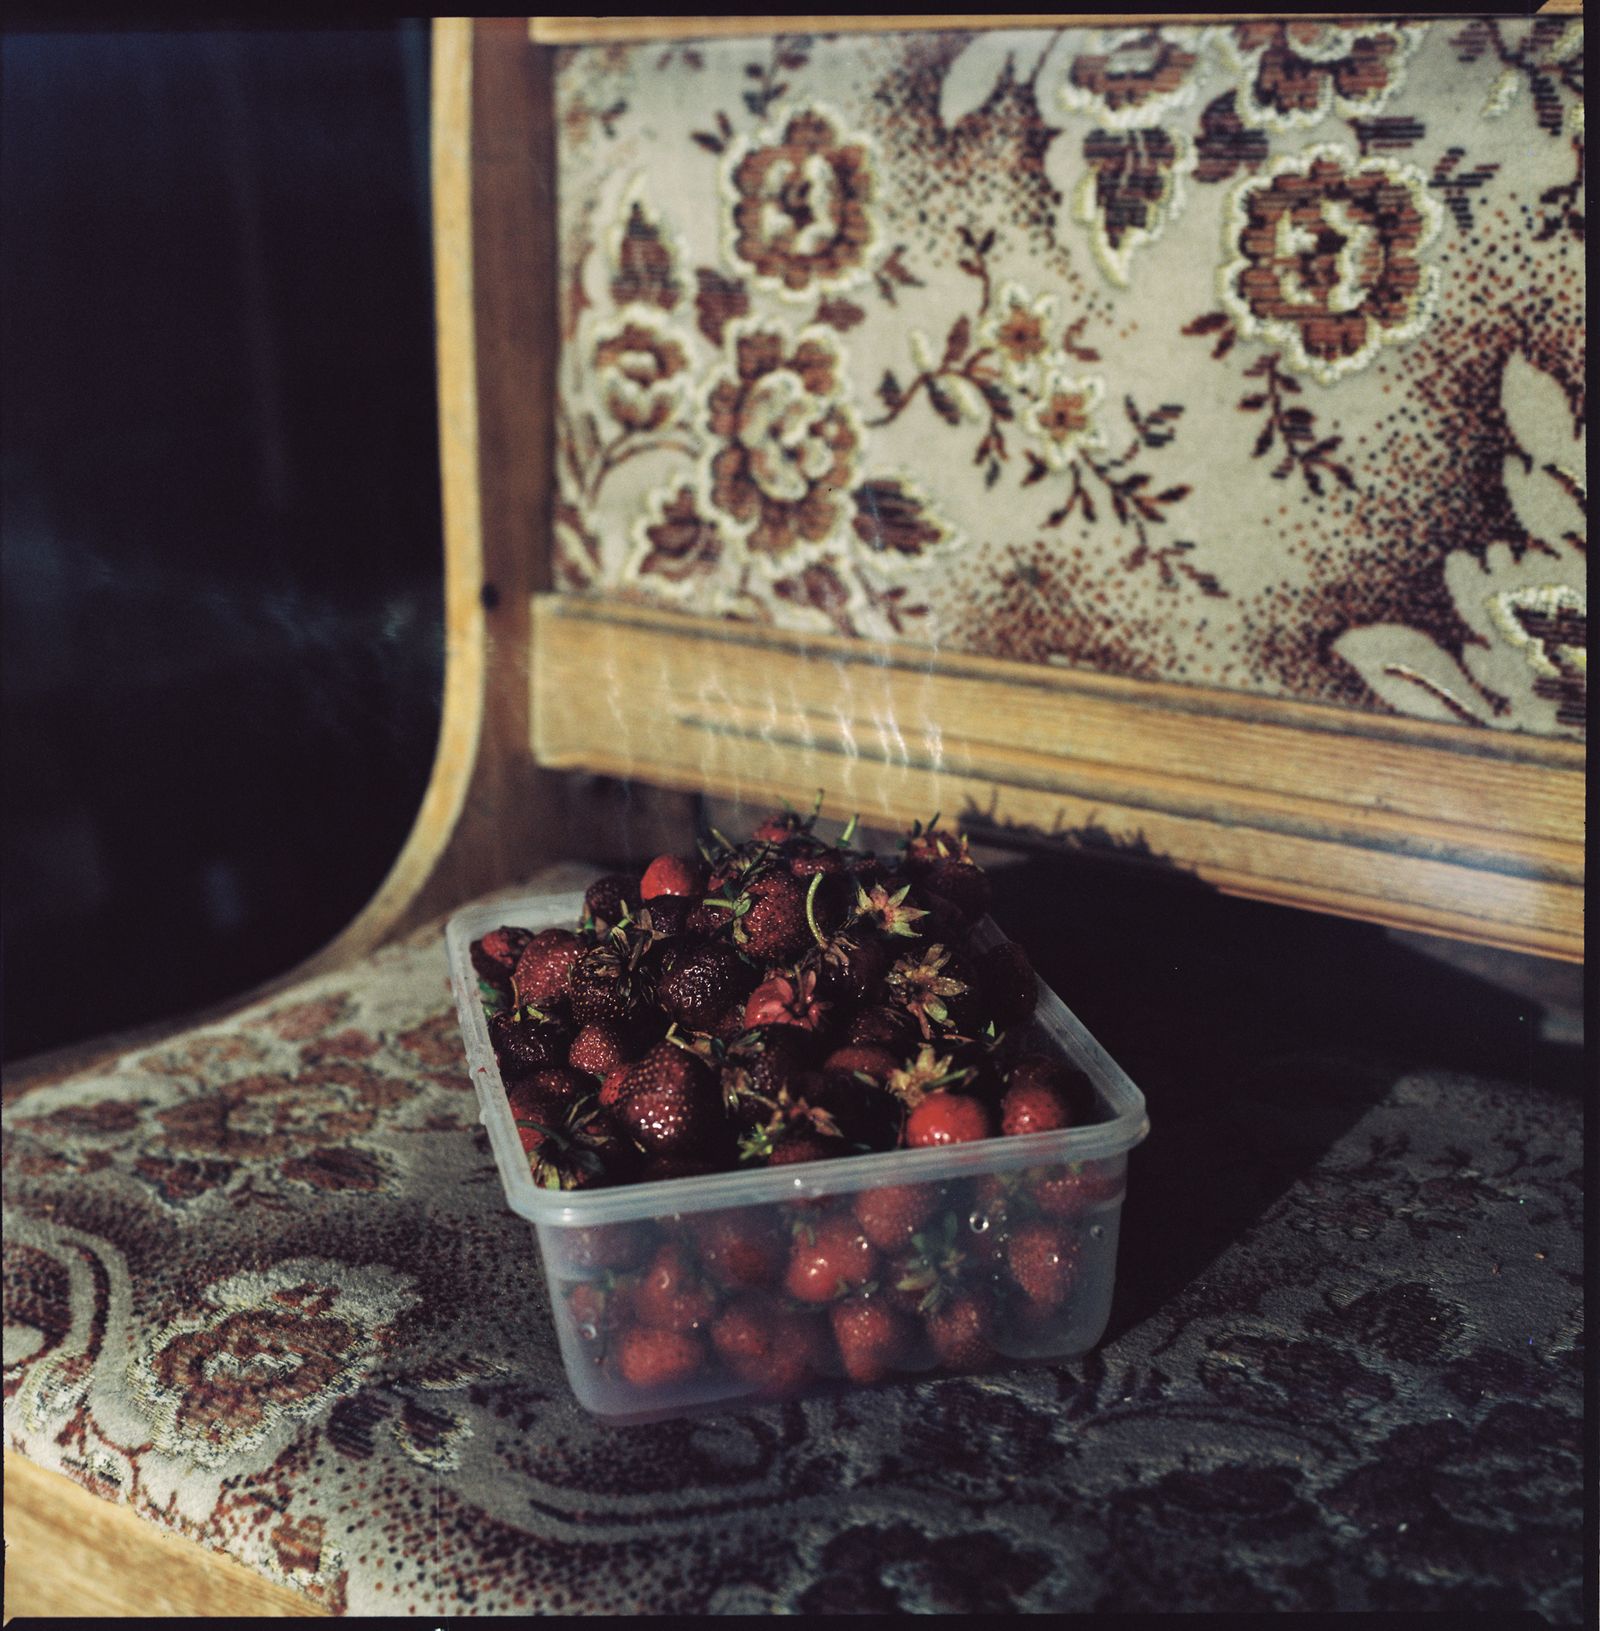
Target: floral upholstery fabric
[
  {"x": 260, "y": 1283},
  {"x": 1249, "y": 355}
]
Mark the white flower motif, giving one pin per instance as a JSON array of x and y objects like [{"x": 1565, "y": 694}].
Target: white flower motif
[
  {"x": 1017, "y": 328},
  {"x": 1062, "y": 417}
]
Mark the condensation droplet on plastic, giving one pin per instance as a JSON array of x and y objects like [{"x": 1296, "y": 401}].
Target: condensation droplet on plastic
[
  {"x": 588, "y": 1331},
  {"x": 978, "y": 1223},
  {"x": 1096, "y": 1231}
]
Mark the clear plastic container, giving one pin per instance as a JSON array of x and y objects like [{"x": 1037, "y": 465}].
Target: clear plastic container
[{"x": 689, "y": 1294}]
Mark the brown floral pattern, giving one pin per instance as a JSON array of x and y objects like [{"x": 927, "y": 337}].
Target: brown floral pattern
[
  {"x": 1179, "y": 315},
  {"x": 801, "y": 212},
  {"x": 1345, "y": 1366},
  {"x": 788, "y": 445},
  {"x": 1297, "y": 73},
  {"x": 1330, "y": 258}
]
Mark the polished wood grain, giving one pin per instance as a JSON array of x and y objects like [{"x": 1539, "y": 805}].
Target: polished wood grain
[
  {"x": 70, "y": 1553},
  {"x": 1442, "y": 828}
]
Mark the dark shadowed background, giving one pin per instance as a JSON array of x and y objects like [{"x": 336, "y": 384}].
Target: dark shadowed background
[{"x": 222, "y": 563}]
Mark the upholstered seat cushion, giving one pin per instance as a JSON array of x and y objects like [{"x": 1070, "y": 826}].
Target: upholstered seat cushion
[{"x": 261, "y": 1284}]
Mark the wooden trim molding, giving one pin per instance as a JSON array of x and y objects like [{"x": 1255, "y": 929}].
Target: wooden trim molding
[
  {"x": 1445, "y": 829},
  {"x": 606, "y": 30}
]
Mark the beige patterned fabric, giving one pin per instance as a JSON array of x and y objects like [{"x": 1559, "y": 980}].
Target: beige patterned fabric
[
  {"x": 261, "y": 1284},
  {"x": 1250, "y": 355}
]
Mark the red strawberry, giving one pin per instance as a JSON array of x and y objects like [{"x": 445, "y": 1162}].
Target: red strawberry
[
  {"x": 1033, "y": 1107},
  {"x": 829, "y": 1259},
  {"x": 672, "y": 1105},
  {"x": 602, "y": 1045},
  {"x": 794, "y": 1144},
  {"x": 742, "y": 1249},
  {"x": 543, "y": 975},
  {"x": 651, "y": 1358},
  {"x": 863, "y": 1059},
  {"x": 701, "y": 981},
  {"x": 611, "y": 1089},
  {"x": 948, "y": 1118},
  {"x": 890, "y": 1216},
  {"x": 540, "y": 1101},
  {"x": 962, "y": 1331},
  {"x": 496, "y": 954},
  {"x": 1009, "y": 987},
  {"x": 609, "y": 899},
  {"x": 873, "y": 1338},
  {"x": 672, "y": 875},
  {"x": 1072, "y": 1086},
  {"x": 785, "y": 824},
  {"x": 1043, "y": 1259},
  {"x": 671, "y": 1293},
  {"x": 786, "y": 999},
  {"x": 1070, "y": 1191},
  {"x": 763, "y": 1342}
]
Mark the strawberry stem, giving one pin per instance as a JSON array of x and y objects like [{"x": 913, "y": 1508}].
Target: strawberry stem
[
  {"x": 850, "y": 830},
  {"x": 811, "y": 914}
]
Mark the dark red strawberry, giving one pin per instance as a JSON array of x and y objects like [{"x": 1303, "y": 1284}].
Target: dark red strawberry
[
  {"x": 496, "y": 954},
  {"x": 671, "y": 1293},
  {"x": 672, "y": 875},
  {"x": 702, "y": 981},
  {"x": 948, "y": 1117},
  {"x": 787, "y": 999},
  {"x": 672, "y": 1105},
  {"x": 611, "y": 981},
  {"x": 794, "y": 1144},
  {"x": 743, "y": 1249},
  {"x": 863, "y": 1113},
  {"x": 851, "y": 968},
  {"x": 874, "y": 1338},
  {"x": 759, "y": 1065},
  {"x": 963, "y": 883},
  {"x": 524, "y": 1043},
  {"x": 1042, "y": 1258},
  {"x": 1007, "y": 984},
  {"x": 586, "y": 1149},
  {"x": 787, "y": 823},
  {"x": 543, "y": 975},
  {"x": 667, "y": 916},
  {"x": 829, "y": 1259},
  {"x": 609, "y": 899},
  {"x": 611, "y": 1089},
  {"x": 890, "y": 1216},
  {"x": 889, "y": 1025},
  {"x": 649, "y": 1358},
  {"x": 606, "y": 1245},
  {"x": 770, "y": 922},
  {"x": 540, "y": 1101},
  {"x": 763, "y": 1342}
]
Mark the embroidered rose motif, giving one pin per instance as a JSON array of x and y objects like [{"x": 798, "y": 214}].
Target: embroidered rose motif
[
  {"x": 1329, "y": 258},
  {"x": 1062, "y": 417},
  {"x": 789, "y": 446},
  {"x": 1297, "y": 73},
  {"x": 676, "y": 541},
  {"x": 1017, "y": 330},
  {"x": 801, "y": 205},
  {"x": 268, "y": 1349},
  {"x": 1137, "y": 77},
  {"x": 638, "y": 366}
]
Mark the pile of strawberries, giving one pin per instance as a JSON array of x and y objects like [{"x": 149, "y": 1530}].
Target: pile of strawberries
[{"x": 778, "y": 1000}]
